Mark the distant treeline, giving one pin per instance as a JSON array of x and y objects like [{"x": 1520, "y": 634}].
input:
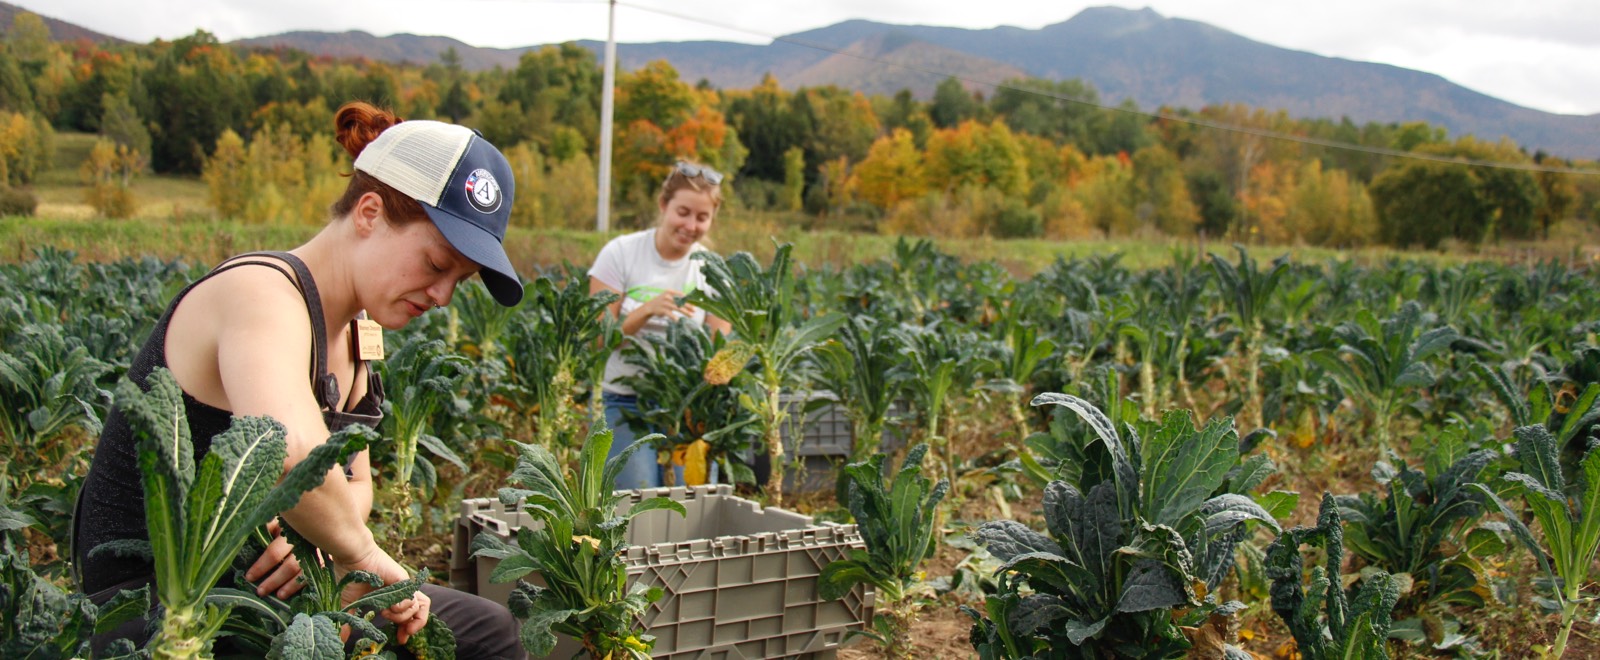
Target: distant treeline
[{"x": 1036, "y": 158}]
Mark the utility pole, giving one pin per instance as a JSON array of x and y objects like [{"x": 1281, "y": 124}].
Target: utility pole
[{"x": 607, "y": 106}]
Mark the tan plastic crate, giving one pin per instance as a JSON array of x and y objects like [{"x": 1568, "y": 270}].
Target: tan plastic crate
[{"x": 739, "y": 581}]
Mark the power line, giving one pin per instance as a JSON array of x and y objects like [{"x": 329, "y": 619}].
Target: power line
[{"x": 1196, "y": 121}]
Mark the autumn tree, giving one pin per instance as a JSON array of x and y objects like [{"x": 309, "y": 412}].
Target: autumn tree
[
  {"x": 277, "y": 178},
  {"x": 984, "y": 155},
  {"x": 107, "y": 175},
  {"x": 892, "y": 171},
  {"x": 1104, "y": 197},
  {"x": 662, "y": 119},
  {"x": 26, "y": 146},
  {"x": 224, "y": 170},
  {"x": 1328, "y": 207},
  {"x": 99, "y": 74},
  {"x": 552, "y": 193},
  {"x": 304, "y": 119}
]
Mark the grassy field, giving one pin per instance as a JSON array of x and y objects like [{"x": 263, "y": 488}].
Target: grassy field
[
  {"x": 60, "y": 189},
  {"x": 174, "y": 220},
  {"x": 209, "y": 241}
]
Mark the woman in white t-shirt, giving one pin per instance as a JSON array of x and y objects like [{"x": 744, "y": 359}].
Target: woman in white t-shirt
[{"x": 652, "y": 270}]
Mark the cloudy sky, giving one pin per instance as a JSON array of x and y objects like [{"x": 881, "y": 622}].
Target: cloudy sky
[{"x": 1543, "y": 54}]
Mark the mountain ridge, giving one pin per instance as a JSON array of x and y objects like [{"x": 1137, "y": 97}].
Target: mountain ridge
[
  {"x": 1137, "y": 54},
  {"x": 59, "y": 30}
]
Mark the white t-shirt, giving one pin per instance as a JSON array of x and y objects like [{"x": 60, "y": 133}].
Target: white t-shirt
[{"x": 631, "y": 264}]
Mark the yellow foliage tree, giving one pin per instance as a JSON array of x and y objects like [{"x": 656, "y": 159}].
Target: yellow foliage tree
[
  {"x": 1327, "y": 208},
  {"x": 278, "y": 178},
  {"x": 891, "y": 172},
  {"x": 984, "y": 155},
  {"x": 224, "y": 173},
  {"x": 108, "y": 174},
  {"x": 1161, "y": 197},
  {"x": 1265, "y": 204},
  {"x": 25, "y": 147},
  {"x": 1105, "y": 196},
  {"x": 552, "y": 193}
]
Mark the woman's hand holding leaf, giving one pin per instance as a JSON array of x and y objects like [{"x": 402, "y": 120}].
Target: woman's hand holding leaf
[{"x": 410, "y": 615}]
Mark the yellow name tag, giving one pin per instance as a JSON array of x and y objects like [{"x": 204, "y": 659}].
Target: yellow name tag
[{"x": 369, "y": 339}]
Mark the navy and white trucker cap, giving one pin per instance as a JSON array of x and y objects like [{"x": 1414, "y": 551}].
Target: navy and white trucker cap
[{"x": 464, "y": 184}]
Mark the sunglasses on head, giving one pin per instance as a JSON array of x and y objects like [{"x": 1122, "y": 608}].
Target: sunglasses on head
[{"x": 691, "y": 170}]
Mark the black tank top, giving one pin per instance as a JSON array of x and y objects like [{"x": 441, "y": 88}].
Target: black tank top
[{"x": 110, "y": 504}]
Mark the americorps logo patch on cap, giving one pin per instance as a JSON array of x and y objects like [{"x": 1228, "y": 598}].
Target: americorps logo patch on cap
[{"x": 483, "y": 192}]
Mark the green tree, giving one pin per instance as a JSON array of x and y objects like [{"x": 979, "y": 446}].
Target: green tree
[
  {"x": 1423, "y": 203},
  {"x": 1411, "y": 135},
  {"x": 196, "y": 93},
  {"x": 1161, "y": 197},
  {"x": 1122, "y": 130},
  {"x": 26, "y": 52},
  {"x": 1219, "y": 208},
  {"x": 903, "y": 111},
  {"x": 557, "y": 86},
  {"x": 769, "y": 125},
  {"x": 267, "y": 80},
  {"x": 15, "y": 93},
  {"x": 378, "y": 85},
  {"x": 1559, "y": 194},
  {"x": 121, "y": 124},
  {"x": 505, "y": 124},
  {"x": 307, "y": 84},
  {"x": 843, "y": 124},
  {"x": 108, "y": 73},
  {"x": 655, "y": 94},
  {"x": 1047, "y": 108},
  {"x": 794, "y": 178},
  {"x": 454, "y": 106},
  {"x": 28, "y": 40},
  {"x": 952, "y": 104}
]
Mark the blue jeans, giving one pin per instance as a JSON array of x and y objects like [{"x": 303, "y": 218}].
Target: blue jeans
[{"x": 641, "y": 470}]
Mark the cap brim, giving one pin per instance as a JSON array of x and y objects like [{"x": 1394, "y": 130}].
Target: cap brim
[{"x": 483, "y": 248}]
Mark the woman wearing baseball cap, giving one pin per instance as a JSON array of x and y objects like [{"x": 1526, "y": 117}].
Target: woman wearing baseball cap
[{"x": 426, "y": 208}]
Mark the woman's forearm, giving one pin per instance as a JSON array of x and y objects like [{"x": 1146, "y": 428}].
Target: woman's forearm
[
  {"x": 635, "y": 321},
  {"x": 327, "y": 516},
  {"x": 361, "y": 501}
]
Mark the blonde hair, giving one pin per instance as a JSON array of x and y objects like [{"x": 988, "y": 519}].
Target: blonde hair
[{"x": 677, "y": 181}]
